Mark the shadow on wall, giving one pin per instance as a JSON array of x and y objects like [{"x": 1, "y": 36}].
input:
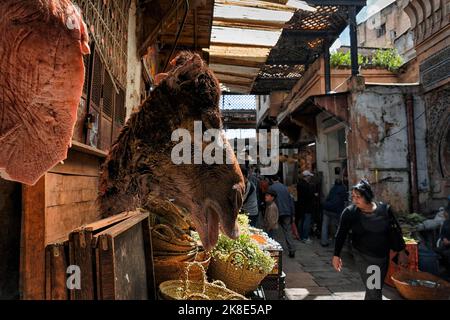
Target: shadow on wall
[{"x": 10, "y": 221}]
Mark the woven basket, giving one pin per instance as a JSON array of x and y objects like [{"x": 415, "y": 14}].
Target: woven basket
[
  {"x": 187, "y": 289},
  {"x": 410, "y": 292},
  {"x": 168, "y": 213},
  {"x": 165, "y": 239},
  {"x": 175, "y": 256},
  {"x": 170, "y": 270},
  {"x": 241, "y": 280}
]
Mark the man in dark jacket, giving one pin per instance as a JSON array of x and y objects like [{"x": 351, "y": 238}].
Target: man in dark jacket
[
  {"x": 305, "y": 197},
  {"x": 286, "y": 212},
  {"x": 332, "y": 209}
]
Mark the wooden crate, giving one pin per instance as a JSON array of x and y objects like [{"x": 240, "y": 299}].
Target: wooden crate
[
  {"x": 56, "y": 263},
  {"x": 124, "y": 266},
  {"x": 278, "y": 267},
  {"x": 82, "y": 243}
]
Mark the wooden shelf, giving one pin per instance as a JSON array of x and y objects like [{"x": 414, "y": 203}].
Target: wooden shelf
[{"x": 78, "y": 146}]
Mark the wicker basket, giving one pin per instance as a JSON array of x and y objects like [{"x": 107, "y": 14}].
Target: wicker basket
[
  {"x": 410, "y": 292},
  {"x": 241, "y": 280},
  {"x": 175, "y": 256},
  {"x": 187, "y": 289},
  {"x": 170, "y": 270},
  {"x": 165, "y": 239},
  {"x": 168, "y": 213}
]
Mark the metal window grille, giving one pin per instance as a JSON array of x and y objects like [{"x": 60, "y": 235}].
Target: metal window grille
[
  {"x": 107, "y": 21},
  {"x": 237, "y": 102},
  {"x": 108, "y": 96},
  {"x": 97, "y": 81},
  {"x": 120, "y": 111}
]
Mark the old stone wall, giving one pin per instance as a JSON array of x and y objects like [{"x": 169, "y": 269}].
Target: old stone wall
[{"x": 378, "y": 143}]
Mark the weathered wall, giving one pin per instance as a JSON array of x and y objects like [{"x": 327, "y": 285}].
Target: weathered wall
[
  {"x": 378, "y": 144},
  {"x": 134, "y": 66},
  {"x": 10, "y": 213},
  {"x": 327, "y": 148}
]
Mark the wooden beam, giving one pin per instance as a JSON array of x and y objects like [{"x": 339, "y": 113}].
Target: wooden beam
[
  {"x": 32, "y": 253},
  {"x": 237, "y": 82},
  {"x": 152, "y": 35},
  {"x": 222, "y": 75},
  {"x": 195, "y": 29},
  {"x": 358, "y": 3},
  {"x": 234, "y": 70},
  {"x": 239, "y": 51},
  {"x": 238, "y": 89},
  {"x": 244, "y": 36},
  {"x": 260, "y": 5},
  {"x": 249, "y": 24}
]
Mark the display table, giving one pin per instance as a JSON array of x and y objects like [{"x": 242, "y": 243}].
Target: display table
[{"x": 275, "y": 280}]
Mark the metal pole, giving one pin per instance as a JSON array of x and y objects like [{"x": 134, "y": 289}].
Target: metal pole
[
  {"x": 353, "y": 39},
  {"x": 326, "y": 57}
]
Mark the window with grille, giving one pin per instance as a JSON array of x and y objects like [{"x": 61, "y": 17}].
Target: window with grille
[
  {"x": 120, "y": 111},
  {"x": 105, "y": 70},
  {"x": 96, "y": 81},
  {"x": 381, "y": 31},
  {"x": 106, "y": 107},
  {"x": 108, "y": 96}
]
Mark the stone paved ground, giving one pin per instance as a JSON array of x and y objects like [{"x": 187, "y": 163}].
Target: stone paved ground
[{"x": 310, "y": 276}]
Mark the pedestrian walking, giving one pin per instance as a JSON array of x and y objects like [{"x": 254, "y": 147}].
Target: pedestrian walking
[
  {"x": 374, "y": 232},
  {"x": 305, "y": 198},
  {"x": 332, "y": 209},
  {"x": 250, "y": 201},
  {"x": 286, "y": 212}
]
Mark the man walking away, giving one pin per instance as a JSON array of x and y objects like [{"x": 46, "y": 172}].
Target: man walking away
[
  {"x": 332, "y": 209},
  {"x": 250, "y": 204},
  {"x": 286, "y": 212},
  {"x": 305, "y": 198}
]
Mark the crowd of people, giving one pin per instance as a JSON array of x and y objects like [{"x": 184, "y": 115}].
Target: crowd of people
[
  {"x": 371, "y": 225},
  {"x": 267, "y": 200}
]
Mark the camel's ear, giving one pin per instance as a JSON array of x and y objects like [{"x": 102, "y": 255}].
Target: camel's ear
[{"x": 191, "y": 68}]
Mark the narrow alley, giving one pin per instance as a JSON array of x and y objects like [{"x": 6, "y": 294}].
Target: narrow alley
[{"x": 224, "y": 150}]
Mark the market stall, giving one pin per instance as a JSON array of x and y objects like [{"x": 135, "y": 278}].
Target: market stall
[{"x": 243, "y": 268}]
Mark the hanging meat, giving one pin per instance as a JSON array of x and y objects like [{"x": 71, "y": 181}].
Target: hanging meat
[
  {"x": 139, "y": 163},
  {"x": 42, "y": 45}
]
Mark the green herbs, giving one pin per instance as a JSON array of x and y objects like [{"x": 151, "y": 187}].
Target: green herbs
[
  {"x": 382, "y": 58},
  {"x": 258, "y": 260},
  {"x": 243, "y": 222}
]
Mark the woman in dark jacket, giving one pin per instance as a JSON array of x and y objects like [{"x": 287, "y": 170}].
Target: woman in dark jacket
[{"x": 370, "y": 223}]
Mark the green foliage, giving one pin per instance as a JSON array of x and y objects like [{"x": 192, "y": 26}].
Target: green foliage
[
  {"x": 340, "y": 59},
  {"x": 243, "y": 222},
  {"x": 388, "y": 59},
  {"x": 258, "y": 260}
]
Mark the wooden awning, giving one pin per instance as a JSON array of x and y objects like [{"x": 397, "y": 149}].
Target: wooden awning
[
  {"x": 160, "y": 21},
  {"x": 242, "y": 37},
  {"x": 303, "y": 39}
]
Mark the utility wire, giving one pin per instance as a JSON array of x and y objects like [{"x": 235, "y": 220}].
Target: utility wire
[{"x": 400, "y": 130}]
